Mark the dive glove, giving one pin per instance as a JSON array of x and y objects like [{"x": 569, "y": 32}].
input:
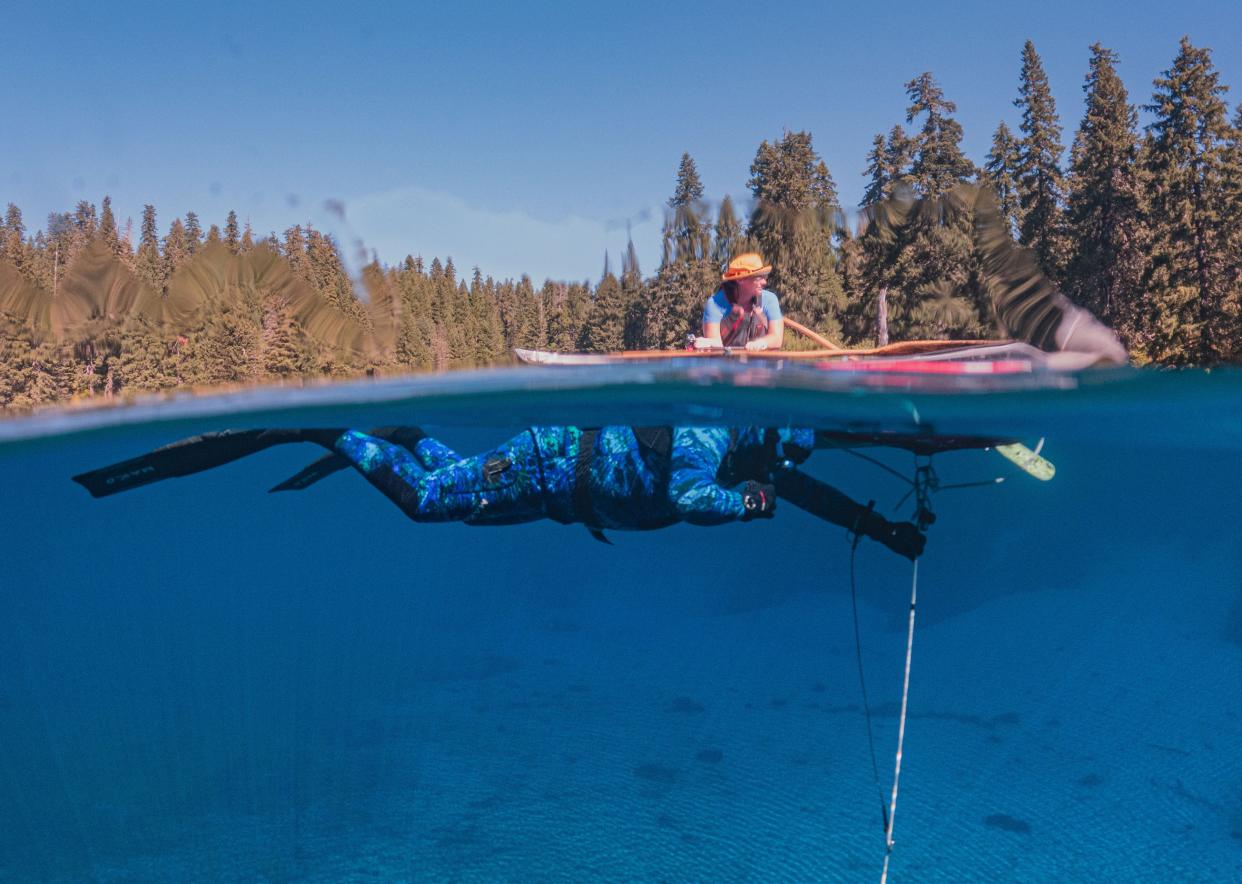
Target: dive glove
[
  {"x": 759, "y": 500},
  {"x": 903, "y": 538}
]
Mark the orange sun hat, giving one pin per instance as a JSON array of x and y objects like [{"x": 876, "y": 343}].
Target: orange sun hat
[{"x": 746, "y": 265}]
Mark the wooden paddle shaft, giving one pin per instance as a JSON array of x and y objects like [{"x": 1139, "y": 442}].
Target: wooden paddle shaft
[{"x": 814, "y": 336}]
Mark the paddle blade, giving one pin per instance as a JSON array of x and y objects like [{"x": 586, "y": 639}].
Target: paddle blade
[{"x": 1027, "y": 460}]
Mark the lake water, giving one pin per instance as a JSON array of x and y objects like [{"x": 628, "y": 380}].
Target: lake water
[{"x": 199, "y": 680}]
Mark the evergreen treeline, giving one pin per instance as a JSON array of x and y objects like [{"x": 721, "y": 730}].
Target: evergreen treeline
[{"x": 1143, "y": 227}]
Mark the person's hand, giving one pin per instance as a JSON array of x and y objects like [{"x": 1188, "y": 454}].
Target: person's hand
[
  {"x": 903, "y": 538},
  {"x": 701, "y": 343},
  {"x": 759, "y": 500},
  {"x": 756, "y": 345}
]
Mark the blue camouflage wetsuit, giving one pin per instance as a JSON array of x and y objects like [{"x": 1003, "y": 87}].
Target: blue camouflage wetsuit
[
  {"x": 611, "y": 477},
  {"x": 540, "y": 474}
]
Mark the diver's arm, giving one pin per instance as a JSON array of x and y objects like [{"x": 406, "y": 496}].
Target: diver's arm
[
  {"x": 821, "y": 499},
  {"x": 818, "y": 498},
  {"x": 697, "y": 453}
]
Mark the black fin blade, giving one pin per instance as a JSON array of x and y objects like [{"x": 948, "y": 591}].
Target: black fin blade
[
  {"x": 181, "y": 458},
  {"x": 320, "y": 469}
]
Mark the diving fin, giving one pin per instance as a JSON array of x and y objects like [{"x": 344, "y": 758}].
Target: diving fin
[
  {"x": 309, "y": 475},
  {"x": 193, "y": 455}
]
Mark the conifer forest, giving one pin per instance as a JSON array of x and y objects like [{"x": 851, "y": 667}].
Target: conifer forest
[{"x": 1142, "y": 225}]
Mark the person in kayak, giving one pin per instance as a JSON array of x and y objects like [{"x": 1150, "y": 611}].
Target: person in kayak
[
  {"x": 618, "y": 477},
  {"x": 742, "y": 313}
]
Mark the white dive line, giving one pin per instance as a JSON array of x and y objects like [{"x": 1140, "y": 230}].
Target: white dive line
[{"x": 901, "y": 727}]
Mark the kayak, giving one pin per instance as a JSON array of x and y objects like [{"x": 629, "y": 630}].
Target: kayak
[{"x": 908, "y": 357}]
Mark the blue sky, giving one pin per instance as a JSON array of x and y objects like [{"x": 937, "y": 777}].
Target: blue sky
[{"x": 516, "y": 138}]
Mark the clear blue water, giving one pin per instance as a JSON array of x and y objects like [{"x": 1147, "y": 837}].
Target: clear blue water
[{"x": 199, "y": 680}]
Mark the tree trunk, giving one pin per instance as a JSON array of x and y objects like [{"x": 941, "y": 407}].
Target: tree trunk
[{"x": 881, "y": 319}]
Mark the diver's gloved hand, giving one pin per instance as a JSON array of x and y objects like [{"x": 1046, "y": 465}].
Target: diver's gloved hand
[
  {"x": 759, "y": 500},
  {"x": 903, "y": 538}
]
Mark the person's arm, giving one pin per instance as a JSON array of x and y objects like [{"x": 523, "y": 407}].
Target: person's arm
[
  {"x": 697, "y": 453},
  {"x": 710, "y": 336},
  {"x": 773, "y": 340},
  {"x": 713, "y": 313},
  {"x": 822, "y": 500}
]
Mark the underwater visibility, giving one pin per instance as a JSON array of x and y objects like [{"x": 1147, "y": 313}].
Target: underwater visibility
[{"x": 203, "y": 680}]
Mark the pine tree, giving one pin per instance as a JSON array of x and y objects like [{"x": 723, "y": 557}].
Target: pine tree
[
  {"x": 660, "y": 315},
  {"x": 280, "y": 351},
  {"x": 604, "y": 329},
  {"x": 1233, "y": 248},
  {"x": 226, "y": 350},
  {"x": 176, "y": 248},
  {"x": 14, "y": 247},
  {"x": 294, "y": 250},
  {"x": 107, "y": 227},
  {"x": 489, "y": 340},
  {"x": 728, "y": 237},
  {"x": 146, "y": 362},
  {"x": 1001, "y": 173},
  {"x": 1103, "y": 212},
  {"x": 1185, "y": 160},
  {"x": 888, "y": 165},
  {"x": 85, "y": 227},
  {"x": 231, "y": 232},
  {"x": 687, "y": 236},
  {"x": 609, "y": 323},
  {"x": 793, "y": 225},
  {"x": 193, "y": 234},
  {"x": 689, "y": 188},
  {"x": 938, "y": 163},
  {"x": 1041, "y": 188},
  {"x": 51, "y": 251},
  {"x": 915, "y": 255},
  {"x": 53, "y": 375},
  {"x": 15, "y": 350},
  {"x": 414, "y": 334},
  {"x": 149, "y": 265},
  {"x": 631, "y": 274},
  {"x": 568, "y": 306},
  {"x": 525, "y": 315}
]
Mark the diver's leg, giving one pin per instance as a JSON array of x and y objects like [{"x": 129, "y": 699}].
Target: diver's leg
[
  {"x": 494, "y": 488},
  {"x": 431, "y": 454}
]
